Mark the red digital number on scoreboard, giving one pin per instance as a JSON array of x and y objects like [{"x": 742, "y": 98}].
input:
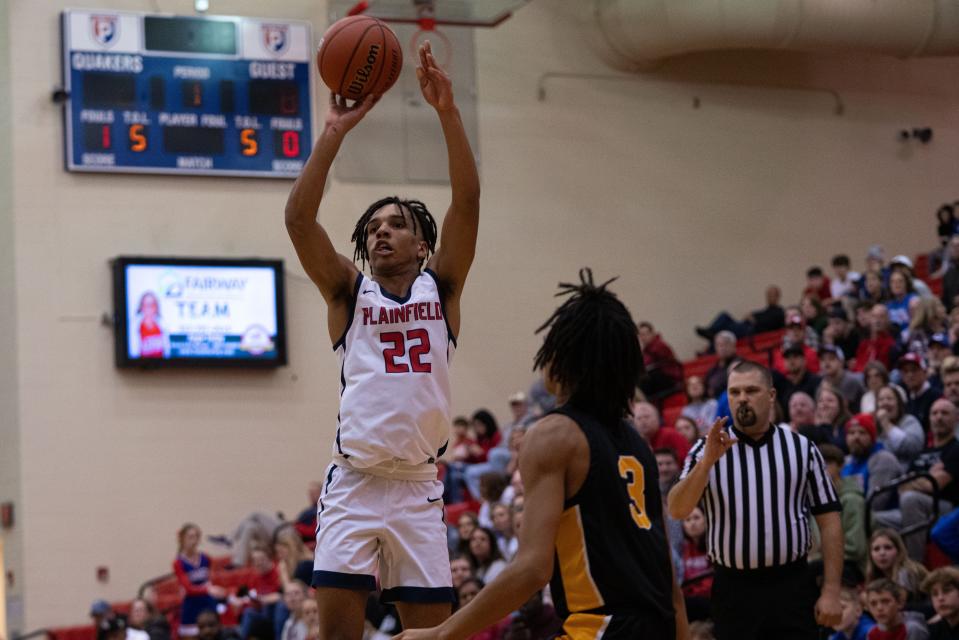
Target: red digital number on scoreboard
[
  {"x": 286, "y": 144},
  {"x": 97, "y": 137}
]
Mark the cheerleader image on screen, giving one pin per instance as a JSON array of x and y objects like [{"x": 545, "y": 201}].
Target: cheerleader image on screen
[
  {"x": 394, "y": 330},
  {"x": 148, "y": 339}
]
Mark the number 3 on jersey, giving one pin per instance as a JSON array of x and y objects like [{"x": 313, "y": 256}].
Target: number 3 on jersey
[
  {"x": 631, "y": 471},
  {"x": 398, "y": 350}
]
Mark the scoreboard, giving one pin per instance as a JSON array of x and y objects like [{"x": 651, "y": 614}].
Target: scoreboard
[{"x": 157, "y": 93}]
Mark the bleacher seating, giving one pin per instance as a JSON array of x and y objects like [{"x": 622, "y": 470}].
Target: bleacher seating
[
  {"x": 699, "y": 366},
  {"x": 84, "y": 632},
  {"x": 936, "y": 287},
  {"x": 670, "y": 414},
  {"x": 921, "y": 268},
  {"x": 675, "y": 400},
  {"x": 453, "y": 512},
  {"x": 758, "y": 348},
  {"x": 768, "y": 340}
]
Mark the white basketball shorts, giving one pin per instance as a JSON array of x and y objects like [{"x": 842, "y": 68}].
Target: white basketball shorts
[{"x": 370, "y": 525}]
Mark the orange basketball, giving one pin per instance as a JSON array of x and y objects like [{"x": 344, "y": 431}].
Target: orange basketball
[{"x": 359, "y": 55}]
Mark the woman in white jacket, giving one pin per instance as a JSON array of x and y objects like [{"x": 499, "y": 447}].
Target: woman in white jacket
[{"x": 899, "y": 432}]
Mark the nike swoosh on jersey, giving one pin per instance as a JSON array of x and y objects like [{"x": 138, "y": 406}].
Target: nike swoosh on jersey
[{"x": 431, "y": 500}]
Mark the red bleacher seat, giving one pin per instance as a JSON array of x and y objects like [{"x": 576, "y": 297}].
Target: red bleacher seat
[
  {"x": 936, "y": 557},
  {"x": 670, "y": 414},
  {"x": 232, "y": 578},
  {"x": 454, "y": 511},
  {"x": 761, "y": 357},
  {"x": 675, "y": 400},
  {"x": 167, "y": 587},
  {"x": 85, "y": 632},
  {"x": 921, "y": 269},
  {"x": 767, "y": 340},
  {"x": 168, "y": 603},
  {"x": 699, "y": 366}
]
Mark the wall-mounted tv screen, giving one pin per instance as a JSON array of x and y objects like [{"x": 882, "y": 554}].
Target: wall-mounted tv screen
[{"x": 199, "y": 311}]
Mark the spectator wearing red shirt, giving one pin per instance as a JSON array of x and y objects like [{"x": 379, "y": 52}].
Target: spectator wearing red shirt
[
  {"x": 817, "y": 284},
  {"x": 886, "y": 601},
  {"x": 796, "y": 334},
  {"x": 488, "y": 437},
  {"x": 647, "y": 423},
  {"x": 880, "y": 345},
  {"x": 461, "y": 452},
  {"x": 487, "y": 434},
  {"x": 697, "y": 578},
  {"x": 263, "y": 594},
  {"x": 664, "y": 373}
]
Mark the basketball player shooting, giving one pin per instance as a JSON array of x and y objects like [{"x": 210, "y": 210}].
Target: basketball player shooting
[
  {"x": 381, "y": 511},
  {"x": 593, "y": 508}
]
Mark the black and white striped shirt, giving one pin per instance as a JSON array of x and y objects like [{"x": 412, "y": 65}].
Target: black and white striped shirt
[{"x": 759, "y": 497}]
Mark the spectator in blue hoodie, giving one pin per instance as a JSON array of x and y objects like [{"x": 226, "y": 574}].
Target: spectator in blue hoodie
[{"x": 854, "y": 624}]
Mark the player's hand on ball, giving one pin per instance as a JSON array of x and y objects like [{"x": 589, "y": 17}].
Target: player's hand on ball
[
  {"x": 341, "y": 118},
  {"x": 434, "y": 82}
]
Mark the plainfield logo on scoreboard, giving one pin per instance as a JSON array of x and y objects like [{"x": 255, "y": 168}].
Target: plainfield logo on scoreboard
[
  {"x": 276, "y": 38},
  {"x": 105, "y": 29}
]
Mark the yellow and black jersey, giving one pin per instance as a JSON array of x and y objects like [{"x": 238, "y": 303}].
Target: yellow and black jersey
[{"x": 612, "y": 558}]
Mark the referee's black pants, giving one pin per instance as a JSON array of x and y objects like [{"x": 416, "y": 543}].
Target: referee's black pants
[{"x": 759, "y": 604}]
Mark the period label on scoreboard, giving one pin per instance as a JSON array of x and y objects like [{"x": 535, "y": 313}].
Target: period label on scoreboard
[{"x": 150, "y": 93}]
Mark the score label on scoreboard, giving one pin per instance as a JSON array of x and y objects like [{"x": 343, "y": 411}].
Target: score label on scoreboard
[{"x": 150, "y": 93}]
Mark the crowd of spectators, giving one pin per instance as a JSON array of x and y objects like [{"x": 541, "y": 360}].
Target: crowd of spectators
[{"x": 867, "y": 368}]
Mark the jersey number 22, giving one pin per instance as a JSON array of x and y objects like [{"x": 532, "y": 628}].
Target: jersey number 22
[{"x": 419, "y": 341}]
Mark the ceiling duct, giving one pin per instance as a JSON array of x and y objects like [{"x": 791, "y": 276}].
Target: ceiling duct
[{"x": 639, "y": 33}]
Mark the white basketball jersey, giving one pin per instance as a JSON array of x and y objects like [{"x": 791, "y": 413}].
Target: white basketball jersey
[{"x": 395, "y": 389}]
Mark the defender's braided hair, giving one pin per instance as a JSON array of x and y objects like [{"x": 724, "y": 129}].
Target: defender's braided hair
[
  {"x": 592, "y": 349},
  {"x": 418, "y": 212}
]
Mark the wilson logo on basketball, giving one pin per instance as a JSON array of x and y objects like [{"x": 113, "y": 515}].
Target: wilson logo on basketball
[
  {"x": 359, "y": 55},
  {"x": 363, "y": 73},
  {"x": 395, "y": 62}
]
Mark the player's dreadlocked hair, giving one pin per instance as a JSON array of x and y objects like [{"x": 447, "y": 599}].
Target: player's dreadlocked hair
[
  {"x": 418, "y": 212},
  {"x": 592, "y": 349}
]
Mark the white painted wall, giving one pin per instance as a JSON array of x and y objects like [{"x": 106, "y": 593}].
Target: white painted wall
[
  {"x": 12, "y": 540},
  {"x": 695, "y": 209}
]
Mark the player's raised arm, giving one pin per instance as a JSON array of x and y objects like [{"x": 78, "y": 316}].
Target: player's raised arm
[
  {"x": 333, "y": 273},
  {"x": 458, "y": 237}
]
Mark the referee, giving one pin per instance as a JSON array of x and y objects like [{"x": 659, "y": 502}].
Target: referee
[{"x": 757, "y": 485}]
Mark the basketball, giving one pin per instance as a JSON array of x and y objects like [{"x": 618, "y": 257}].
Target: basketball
[{"x": 359, "y": 55}]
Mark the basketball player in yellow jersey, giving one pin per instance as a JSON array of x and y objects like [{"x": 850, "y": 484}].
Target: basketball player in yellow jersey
[{"x": 593, "y": 516}]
